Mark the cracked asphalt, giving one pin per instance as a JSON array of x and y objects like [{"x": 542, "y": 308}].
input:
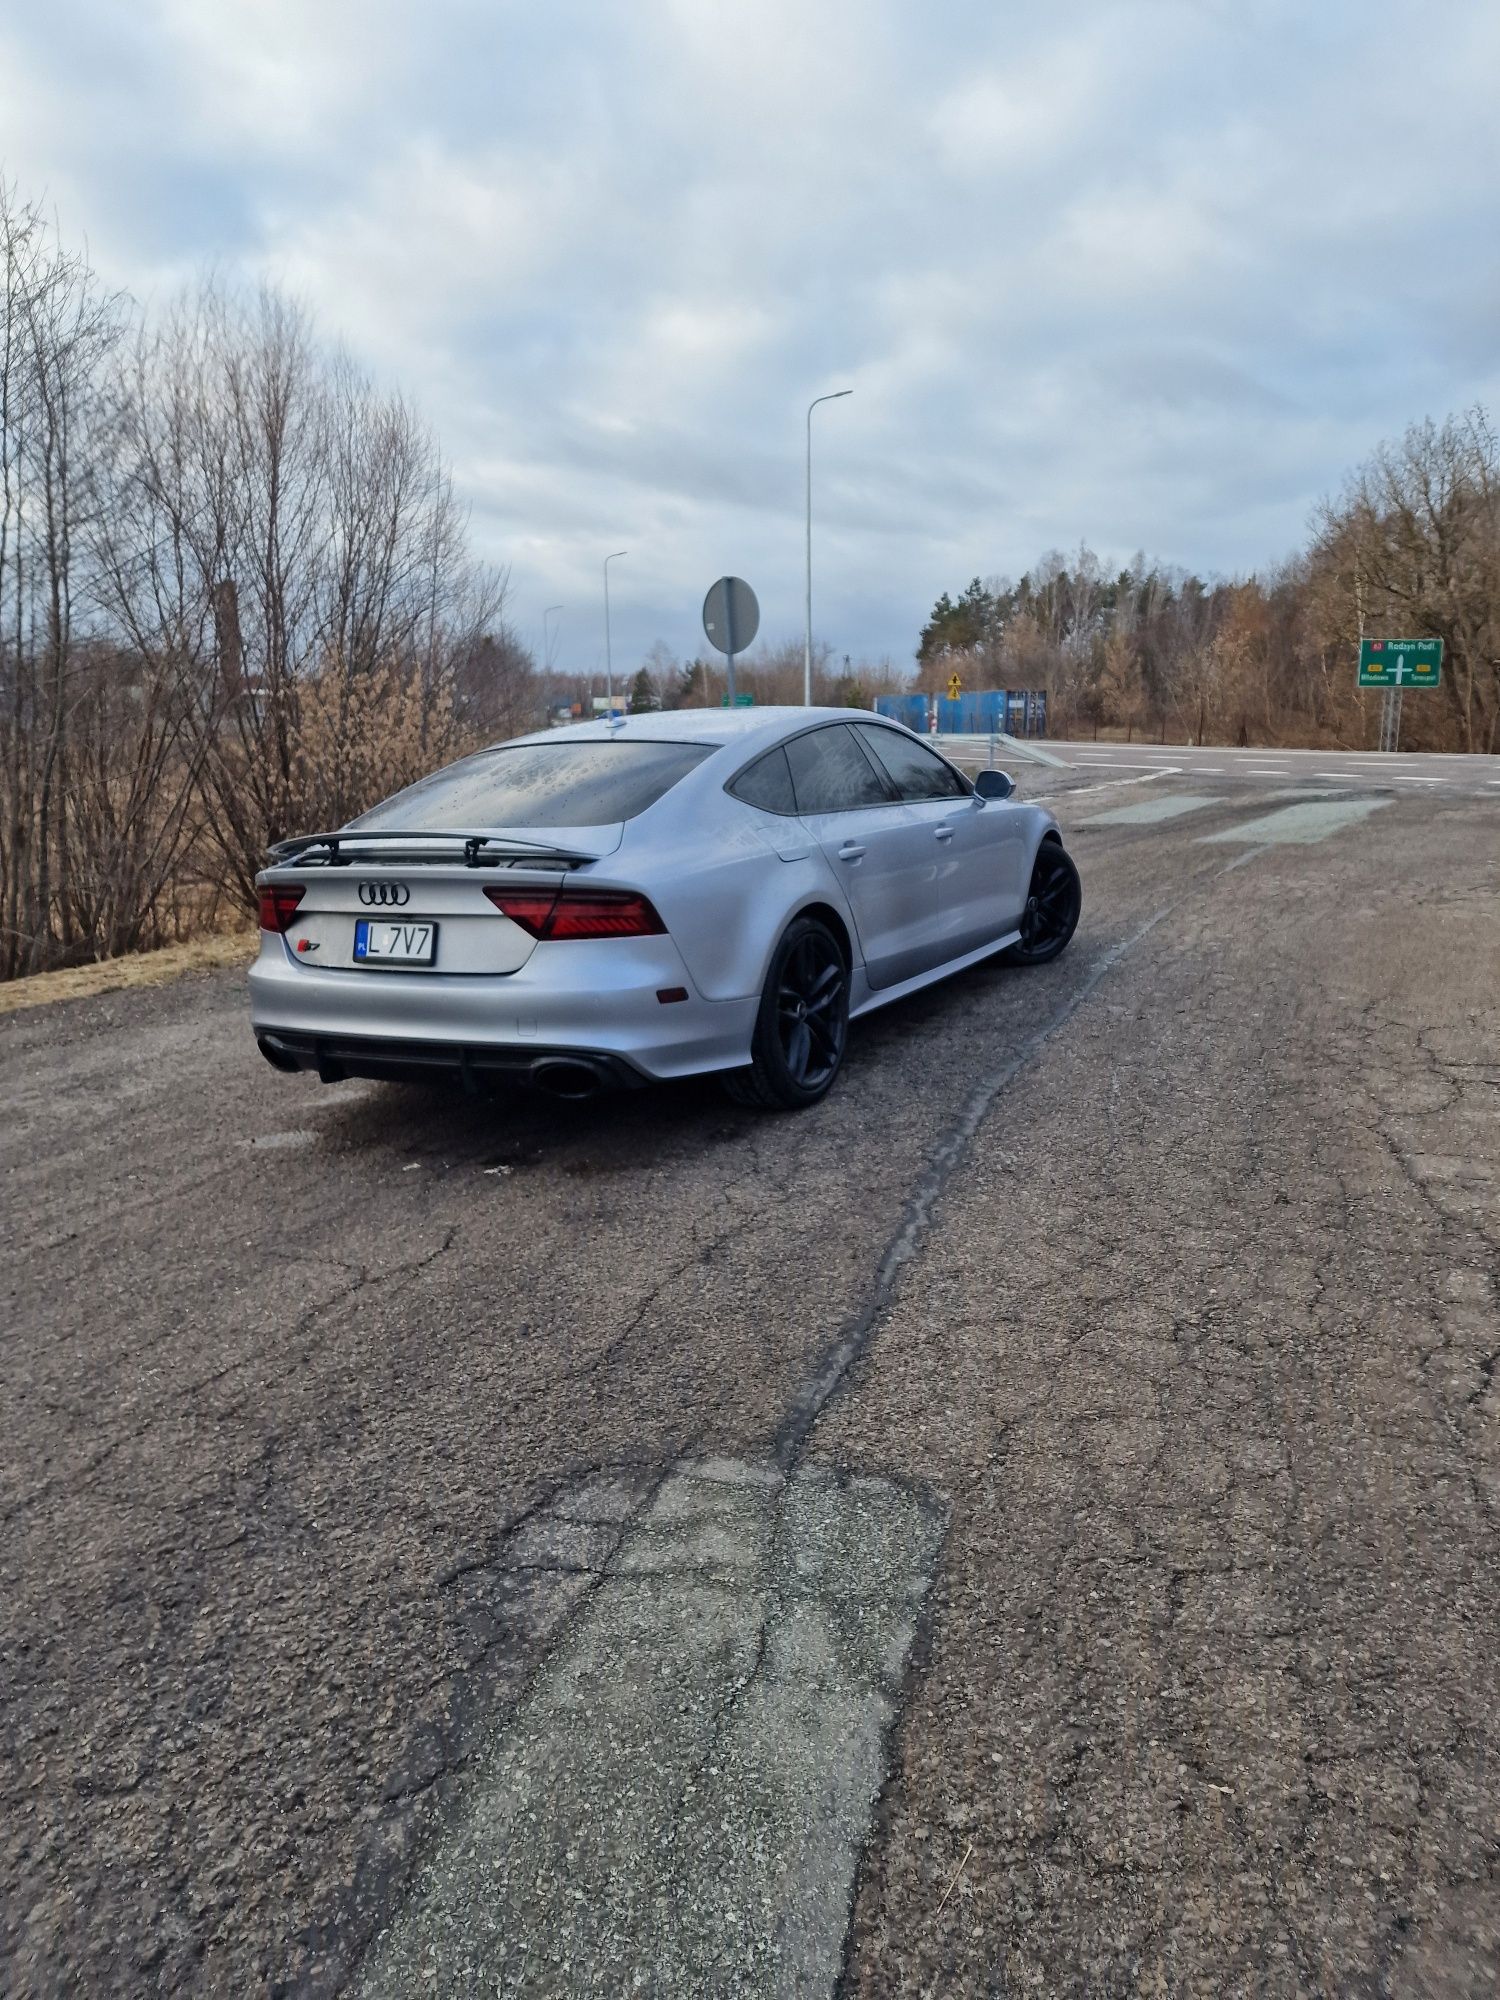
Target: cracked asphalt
[{"x": 1170, "y": 1274}]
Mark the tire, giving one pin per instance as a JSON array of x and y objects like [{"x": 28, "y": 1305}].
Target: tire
[
  {"x": 1053, "y": 905},
  {"x": 803, "y": 1024}
]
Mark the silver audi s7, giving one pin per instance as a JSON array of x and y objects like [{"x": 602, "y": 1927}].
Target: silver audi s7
[{"x": 649, "y": 897}]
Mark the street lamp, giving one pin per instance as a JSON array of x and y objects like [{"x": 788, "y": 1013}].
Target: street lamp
[
  {"x": 609, "y": 670},
  {"x": 807, "y": 643},
  {"x": 546, "y": 641}
]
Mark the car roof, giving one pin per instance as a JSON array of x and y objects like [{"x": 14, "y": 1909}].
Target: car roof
[{"x": 744, "y": 728}]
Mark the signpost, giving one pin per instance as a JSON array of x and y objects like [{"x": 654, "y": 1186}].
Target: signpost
[
  {"x": 731, "y": 619},
  {"x": 955, "y": 687},
  {"x": 1394, "y": 664}
]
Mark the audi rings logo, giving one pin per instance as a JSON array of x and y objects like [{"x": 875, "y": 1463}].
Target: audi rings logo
[{"x": 384, "y": 895}]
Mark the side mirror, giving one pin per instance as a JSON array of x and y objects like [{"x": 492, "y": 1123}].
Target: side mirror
[{"x": 994, "y": 785}]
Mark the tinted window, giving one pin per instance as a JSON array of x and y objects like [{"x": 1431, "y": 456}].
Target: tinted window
[
  {"x": 540, "y": 784},
  {"x": 914, "y": 769},
  {"x": 830, "y": 772},
  {"x": 767, "y": 784}
]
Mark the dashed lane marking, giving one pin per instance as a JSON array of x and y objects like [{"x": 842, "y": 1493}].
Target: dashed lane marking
[{"x": 1377, "y": 777}]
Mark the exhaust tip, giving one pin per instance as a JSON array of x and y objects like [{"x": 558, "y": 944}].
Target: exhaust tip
[{"x": 566, "y": 1077}]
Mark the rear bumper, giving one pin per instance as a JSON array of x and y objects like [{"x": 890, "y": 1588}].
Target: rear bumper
[
  {"x": 472, "y": 1064},
  {"x": 594, "y": 1000}
]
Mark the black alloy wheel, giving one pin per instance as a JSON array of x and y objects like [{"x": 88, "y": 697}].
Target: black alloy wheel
[
  {"x": 803, "y": 1023},
  {"x": 1053, "y": 905}
]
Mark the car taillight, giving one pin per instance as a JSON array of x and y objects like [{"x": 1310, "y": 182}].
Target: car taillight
[
  {"x": 278, "y": 905},
  {"x": 554, "y": 914}
]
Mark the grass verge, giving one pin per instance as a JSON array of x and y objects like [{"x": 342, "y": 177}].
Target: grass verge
[{"x": 142, "y": 968}]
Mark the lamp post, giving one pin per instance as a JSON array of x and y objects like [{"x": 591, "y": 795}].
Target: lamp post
[
  {"x": 609, "y": 669},
  {"x": 546, "y": 641},
  {"x": 832, "y": 397}
]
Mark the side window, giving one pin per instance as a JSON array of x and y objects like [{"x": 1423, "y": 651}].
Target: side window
[
  {"x": 832, "y": 774},
  {"x": 767, "y": 783},
  {"x": 914, "y": 769}
]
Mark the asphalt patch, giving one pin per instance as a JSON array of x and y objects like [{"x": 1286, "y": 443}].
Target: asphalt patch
[
  {"x": 679, "y": 1804},
  {"x": 1148, "y": 811},
  {"x": 1299, "y": 826}
]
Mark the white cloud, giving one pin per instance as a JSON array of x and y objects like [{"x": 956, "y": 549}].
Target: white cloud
[
  {"x": 270, "y": 77},
  {"x": 1150, "y": 273},
  {"x": 1034, "y": 109}
]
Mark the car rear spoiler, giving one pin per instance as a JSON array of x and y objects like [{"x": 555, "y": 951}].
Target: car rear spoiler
[{"x": 475, "y": 850}]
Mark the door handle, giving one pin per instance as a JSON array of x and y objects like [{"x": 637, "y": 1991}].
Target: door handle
[
  {"x": 943, "y": 833},
  {"x": 849, "y": 852}
]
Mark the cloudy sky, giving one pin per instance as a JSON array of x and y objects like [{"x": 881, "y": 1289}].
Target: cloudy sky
[{"x": 1154, "y": 275}]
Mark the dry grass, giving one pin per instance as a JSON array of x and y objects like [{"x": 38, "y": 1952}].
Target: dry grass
[{"x": 143, "y": 968}]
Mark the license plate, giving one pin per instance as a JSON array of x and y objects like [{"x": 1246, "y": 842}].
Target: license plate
[{"x": 377, "y": 942}]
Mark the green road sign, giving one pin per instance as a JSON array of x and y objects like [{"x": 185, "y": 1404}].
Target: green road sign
[
  {"x": 1391, "y": 663},
  {"x": 740, "y": 701}
]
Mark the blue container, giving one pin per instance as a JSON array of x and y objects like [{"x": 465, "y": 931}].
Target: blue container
[
  {"x": 908, "y": 708},
  {"x": 1015, "y": 711}
]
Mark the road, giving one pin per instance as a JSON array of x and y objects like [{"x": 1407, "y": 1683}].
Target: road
[
  {"x": 1446, "y": 774},
  {"x": 1025, "y": 1526}
]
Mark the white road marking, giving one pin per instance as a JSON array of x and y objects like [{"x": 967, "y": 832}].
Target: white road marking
[
  {"x": 1383, "y": 778},
  {"x": 1080, "y": 791}
]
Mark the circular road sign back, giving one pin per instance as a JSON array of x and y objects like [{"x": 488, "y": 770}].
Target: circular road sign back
[{"x": 731, "y": 616}]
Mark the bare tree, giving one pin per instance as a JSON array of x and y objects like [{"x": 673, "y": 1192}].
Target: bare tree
[
  {"x": 56, "y": 328},
  {"x": 292, "y": 539},
  {"x": 1417, "y": 533}
]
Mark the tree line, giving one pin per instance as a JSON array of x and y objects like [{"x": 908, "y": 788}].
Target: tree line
[{"x": 1409, "y": 549}]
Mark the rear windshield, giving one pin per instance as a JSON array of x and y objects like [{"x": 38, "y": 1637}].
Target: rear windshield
[{"x": 539, "y": 784}]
